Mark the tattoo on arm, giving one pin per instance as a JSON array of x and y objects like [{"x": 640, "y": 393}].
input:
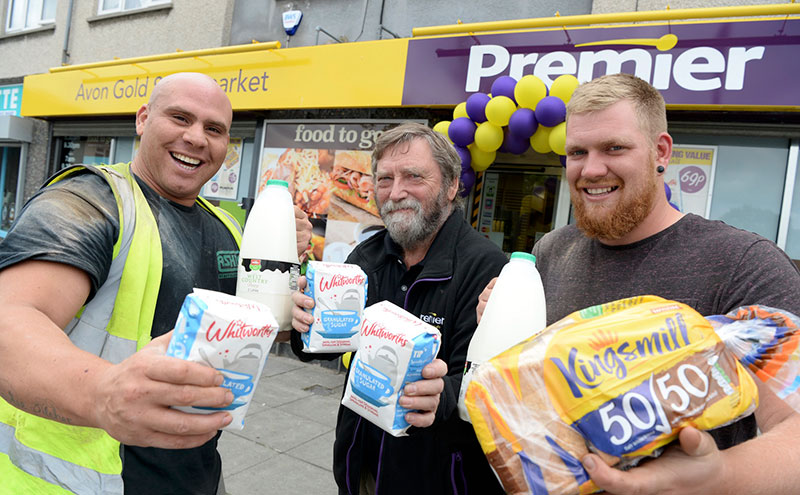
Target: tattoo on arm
[
  {"x": 8, "y": 394},
  {"x": 46, "y": 409}
]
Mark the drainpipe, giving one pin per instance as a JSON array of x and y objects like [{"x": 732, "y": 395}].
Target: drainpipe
[{"x": 65, "y": 51}]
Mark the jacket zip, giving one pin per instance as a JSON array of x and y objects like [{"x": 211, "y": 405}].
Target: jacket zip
[
  {"x": 455, "y": 458},
  {"x": 347, "y": 459},
  {"x": 405, "y": 301}
]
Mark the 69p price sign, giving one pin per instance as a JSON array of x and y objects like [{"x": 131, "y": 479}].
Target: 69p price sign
[
  {"x": 690, "y": 177},
  {"x": 651, "y": 409}
]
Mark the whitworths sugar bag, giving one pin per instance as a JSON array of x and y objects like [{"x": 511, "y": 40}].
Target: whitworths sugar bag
[
  {"x": 339, "y": 291},
  {"x": 231, "y": 334},
  {"x": 393, "y": 348}
]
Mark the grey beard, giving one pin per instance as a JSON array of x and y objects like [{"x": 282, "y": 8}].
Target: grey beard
[{"x": 421, "y": 227}]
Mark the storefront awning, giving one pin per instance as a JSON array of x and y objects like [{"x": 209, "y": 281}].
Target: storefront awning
[{"x": 15, "y": 129}]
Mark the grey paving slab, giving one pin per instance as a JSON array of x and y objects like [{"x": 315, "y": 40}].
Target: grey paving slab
[
  {"x": 285, "y": 475},
  {"x": 279, "y": 364},
  {"x": 276, "y": 390},
  {"x": 282, "y": 430},
  {"x": 317, "y": 451},
  {"x": 239, "y": 453},
  {"x": 312, "y": 375},
  {"x": 320, "y": 408}
]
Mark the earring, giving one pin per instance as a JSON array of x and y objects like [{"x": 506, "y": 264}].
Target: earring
[{"x": 660, "y": 169}]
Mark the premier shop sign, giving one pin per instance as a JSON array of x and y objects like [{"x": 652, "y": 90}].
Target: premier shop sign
[{"x": 730, "y": 64}]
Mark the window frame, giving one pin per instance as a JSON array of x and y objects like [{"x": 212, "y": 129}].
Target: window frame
[
  {"x": 25, "y": 27},
  {"x": 122, "y": 10}
]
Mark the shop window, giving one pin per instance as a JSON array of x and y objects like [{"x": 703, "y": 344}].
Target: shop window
[
  {"x": 9, "y": 177},
  {"x": 518, "y": 207},
  {"x": 793, "y": 235},
  {"x": 88, "y": 150},
  {"x": 29, "y": 14},
  {"x": 113, "y": 6},
  {"x": 748, "y": 180}
]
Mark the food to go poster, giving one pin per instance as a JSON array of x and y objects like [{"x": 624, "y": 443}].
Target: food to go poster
[{"x": 690, "y": 176}]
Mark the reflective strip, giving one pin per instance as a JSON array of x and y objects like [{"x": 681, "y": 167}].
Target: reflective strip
[
  {"x": 70, "y": 476},
  {"x": 88, "y": 331}
]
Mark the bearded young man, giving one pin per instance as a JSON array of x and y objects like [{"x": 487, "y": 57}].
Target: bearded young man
[
  {"x": 428, "y": 261},
  {"x": 629, "y": 241}
]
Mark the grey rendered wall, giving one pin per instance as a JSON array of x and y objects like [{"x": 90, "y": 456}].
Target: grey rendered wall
[{"x": 261, "y": 19}]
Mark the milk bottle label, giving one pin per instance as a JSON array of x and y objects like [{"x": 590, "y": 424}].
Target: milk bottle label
[
  {"x": 269, "y": 282},
  {"x": 339, "y": 291},
  {"x": 231, "y": 334},
  {"x": 393, "y": 348}
]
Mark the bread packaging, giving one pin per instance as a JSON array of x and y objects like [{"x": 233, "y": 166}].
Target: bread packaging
[{"x": 619, "y": 379}]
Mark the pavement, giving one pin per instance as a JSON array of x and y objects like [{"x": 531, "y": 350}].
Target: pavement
[{"x": 286, "y": 445}]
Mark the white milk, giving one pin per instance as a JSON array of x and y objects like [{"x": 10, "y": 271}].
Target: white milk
[
  {"x": 268, "y": 264},
  {"x": 339, "y": 291},
  {"x": 231, "y": 334},
  {"x": 515, "y": 311},
  {"x": 393, "y": 348}
]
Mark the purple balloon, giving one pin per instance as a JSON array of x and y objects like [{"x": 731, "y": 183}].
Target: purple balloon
[
  {"x": 550, "y": 111},
  {"x": 516, "y": 145},
  {"x": 668, "y": 191},
  {"x": 563, "y": 160},
  {"x": 462, "y": 131},
  {"x": 468, "y": 180},
  {"x": 675, "y": 206},
  {"x": 504, "y": 85},
  {"x": 522, "y": 123},
  {"x": 466, "y": 157},
  {"x": 476, "y": 106}
]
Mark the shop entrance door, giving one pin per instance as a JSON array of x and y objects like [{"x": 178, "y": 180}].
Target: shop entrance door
[
  {"x": 9, "y": 177},
  {"x": 520, "y": 206}
]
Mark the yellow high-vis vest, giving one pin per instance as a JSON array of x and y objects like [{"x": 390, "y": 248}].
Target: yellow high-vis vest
[{"x": 40, "y": 456}]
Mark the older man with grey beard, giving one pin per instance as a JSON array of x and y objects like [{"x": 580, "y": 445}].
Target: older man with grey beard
[{"x": 433, "y": 264}]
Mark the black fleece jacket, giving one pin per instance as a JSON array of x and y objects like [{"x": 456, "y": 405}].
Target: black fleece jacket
[{"x": 446, "y": 457}]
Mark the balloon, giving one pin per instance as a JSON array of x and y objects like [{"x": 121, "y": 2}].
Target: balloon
[
  {"x": 346, "y": 359},
  {"x": 504, "y": 86},
  {"x": 481, "y": 159},
  {"x": 563, "y": 160},
  {"x": 529, "y": 90},
  {"x": 499, "y": 110},
  {"x": 540, "y": 141},
  {"x": 558, "y": 138},
  {"x": 476, "y": 106},
  {"x": 460, "y": 110},
  {"x": 668, "y": 191},
  {"x": 564, "y": 86},
  {"x": 461, "y": 131},
  {"x": 466, "y": 158},
  {"x": 550, "y": 111},
  {"x": 488, "y": 137},
  {"x": 468, "y": 180},
  {"x": 675, "y": 206},
  {"x": 516, "y": 145},
  {"x": 441, "y": 128},
  {"x": 522, "y": 123}
]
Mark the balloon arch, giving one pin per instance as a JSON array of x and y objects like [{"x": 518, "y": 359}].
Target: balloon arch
[{"x": 517, "y": 115}]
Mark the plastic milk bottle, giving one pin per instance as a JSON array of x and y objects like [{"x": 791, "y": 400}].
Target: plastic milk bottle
[
  {"x": 268, "y": 264},
  {"x": 515, "y": 311}
]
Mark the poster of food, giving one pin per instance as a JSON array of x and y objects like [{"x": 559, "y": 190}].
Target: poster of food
[
  {"x": 328, "y": 166},
  {"x": 690, "y": 176},
  {"x": 225, "y": 184}
]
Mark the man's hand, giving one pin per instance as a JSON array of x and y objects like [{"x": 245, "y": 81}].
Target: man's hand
[
  {"x": 133, "y": 397},
  {"x": 695, "y": 466},
  {"x": 423, "y": 395},
  {"x": 301, "y": 320},
  {"x": 303, "y": 226},
  {"x": 484, "y": 298}
]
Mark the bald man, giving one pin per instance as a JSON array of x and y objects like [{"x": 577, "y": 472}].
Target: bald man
[{"x": 98, "y": 264}]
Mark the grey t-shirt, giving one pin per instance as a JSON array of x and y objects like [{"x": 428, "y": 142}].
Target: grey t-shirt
[
  {"x": 75, "y": 222},
  {"x": 708, "y": 265}
]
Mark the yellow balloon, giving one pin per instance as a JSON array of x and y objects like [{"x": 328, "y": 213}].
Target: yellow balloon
[
  {"x": 564, "y": 86},
  {"x": 346, "y": 359},
  {"x": 442, "y": 128},
  {"x": 529, "y": 90},
  {"x": 499, "y": 110},
  {"x": 460, "y": 110},
  {"x": 558, "y": 138},
  {"x": 540, "y": 141},
  {"x": 488, "y": 137},
  {"x": 481, "y": 159}
]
